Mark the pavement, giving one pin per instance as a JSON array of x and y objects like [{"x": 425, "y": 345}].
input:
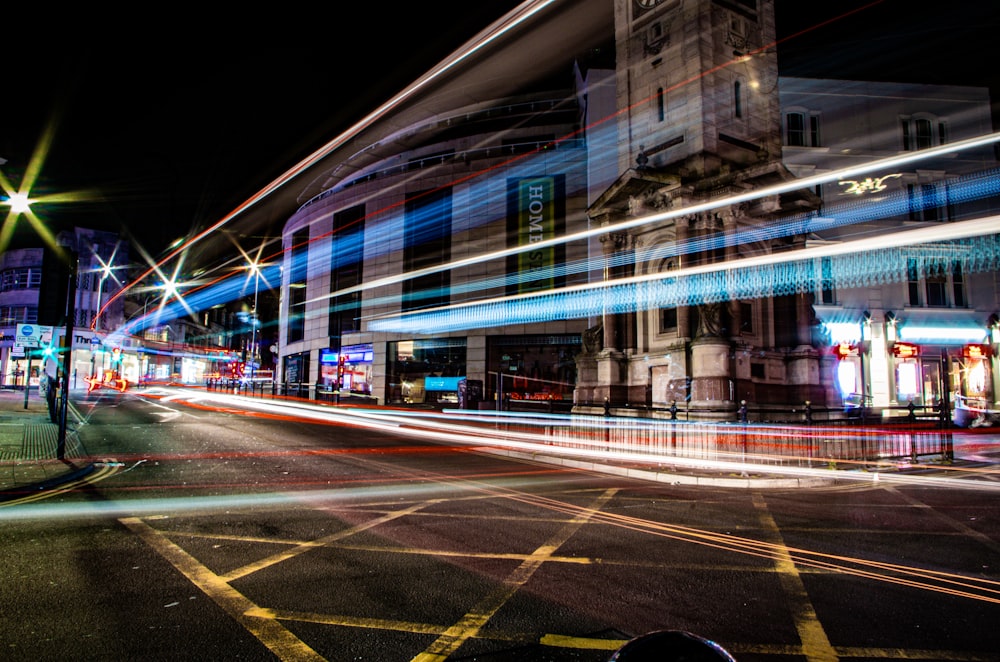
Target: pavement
[
  {"x": 30, "y": 466},
  {"x": 29, "y": 444}
]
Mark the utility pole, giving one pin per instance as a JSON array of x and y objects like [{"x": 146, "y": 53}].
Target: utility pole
[{"x": 67, "y": 353}]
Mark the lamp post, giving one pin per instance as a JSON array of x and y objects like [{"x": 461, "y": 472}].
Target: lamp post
[
  {"x": 254, "y": 322},
  {"x": 106, "y": 271}
]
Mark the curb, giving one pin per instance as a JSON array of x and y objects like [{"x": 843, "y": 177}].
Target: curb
[{"x": 21, "y": 491}]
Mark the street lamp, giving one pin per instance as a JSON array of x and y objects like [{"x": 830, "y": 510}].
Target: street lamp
[{"x": 255, "y": 270}]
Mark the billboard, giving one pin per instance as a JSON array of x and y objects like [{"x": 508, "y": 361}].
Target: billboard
[{"x": 536, "y": 213}]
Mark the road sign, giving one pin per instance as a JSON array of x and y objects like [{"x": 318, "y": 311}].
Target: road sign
[{"x": 32, "y": 335}]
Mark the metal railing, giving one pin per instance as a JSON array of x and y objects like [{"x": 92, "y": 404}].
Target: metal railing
[{"x": 801, "y": 435}]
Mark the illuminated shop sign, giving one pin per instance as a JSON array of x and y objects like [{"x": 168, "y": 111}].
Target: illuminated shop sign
[
  {"x": 905, "y": 350},
  {"x": 843, "y": 350},
  {"x": 442, "y": 383},
  {"x": 349, "y": 354},
  {"x": 976, "y": 351},
  {"x": 358, "y": 353}
]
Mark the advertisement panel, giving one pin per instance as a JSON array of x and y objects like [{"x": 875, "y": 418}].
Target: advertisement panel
[{"x": 536, "y": 214}]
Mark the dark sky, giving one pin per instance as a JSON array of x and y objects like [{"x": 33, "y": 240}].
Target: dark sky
[{"x": 177, "y": 126}]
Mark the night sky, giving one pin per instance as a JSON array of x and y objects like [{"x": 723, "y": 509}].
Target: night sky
[{"x": 175, "y": 128}]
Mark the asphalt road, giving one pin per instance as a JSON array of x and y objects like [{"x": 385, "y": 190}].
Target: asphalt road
[{"x": 227, "y": 536}]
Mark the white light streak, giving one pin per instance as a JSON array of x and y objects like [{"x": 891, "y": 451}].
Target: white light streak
[{"x": 786, "y": 187}]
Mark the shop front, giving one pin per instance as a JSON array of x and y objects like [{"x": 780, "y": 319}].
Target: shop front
[
  {"x": 346, "y": 373},
  {"x": 532, "y": 367},
  {"x": 425, "y": 371},
  {"x": 915, "y": 364}
]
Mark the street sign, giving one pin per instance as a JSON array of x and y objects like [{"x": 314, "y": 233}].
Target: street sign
[{"x": 32, "y": 335}]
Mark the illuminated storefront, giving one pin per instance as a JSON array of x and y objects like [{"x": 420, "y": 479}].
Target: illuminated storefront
[
  {"x": 899, "y": 363},
  {"x": 425, "y": 371},
  {"x": 347, "y": 372}
]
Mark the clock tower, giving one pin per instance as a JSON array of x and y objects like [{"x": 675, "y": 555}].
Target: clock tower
[
  {"x": 699, "y": 119},
  {"x": 698, "y": 80}
]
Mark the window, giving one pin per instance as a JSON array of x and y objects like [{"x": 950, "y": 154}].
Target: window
[
  {"x": 802, "y": 129},
  {"x": 912, "y": 283},
  {"x": 660, "y": 113},
  {"x": 25, "y": 278},
  {"x": 958, "y": 285},
  {"x": 737, "y": 99},
  {"x": 746, "y": 318},
  {"x": 668, "y": 320},
  {"x": 929, "y": 202},
  {"x": 668, "y": 314},
  {"x": 930, "y": 285},
  {"x": 922, "y": 132},
  {"x": 296, "y": 312},
  {"x": 795, "y": 130},
  {"x": 346, "y": 269},
  {"x": 427, "y": 243},
  {"x": 298, "y": 268},
  {"x": 828, "y": 294}
]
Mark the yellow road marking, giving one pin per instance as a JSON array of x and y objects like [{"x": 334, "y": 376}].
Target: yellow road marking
[
  {"x": 268, "y": 631},
  {"x": 102, "y": 471},
  {"x": 585, "y": 643},
  {"x": 469, "y": 625},
  {"x": 815, "y": 644},
  {"x": 305, "y": 547}
]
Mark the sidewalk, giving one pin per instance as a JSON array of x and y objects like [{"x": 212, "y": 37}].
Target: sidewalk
[{"x": 28, "y": 447}]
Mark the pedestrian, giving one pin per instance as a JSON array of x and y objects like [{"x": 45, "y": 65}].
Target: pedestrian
[{"x": 52, "y": 394}]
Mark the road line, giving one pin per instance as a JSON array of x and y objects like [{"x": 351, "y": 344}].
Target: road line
[
  {"x": 103, "y": 470},
  {"x": 319, "y": 542},
  {"x": 347, "y": 621},
  {"x": 816, "y": 646},
  {"x": 470, "y": 624},
  {"x": 268, "y": 631}
]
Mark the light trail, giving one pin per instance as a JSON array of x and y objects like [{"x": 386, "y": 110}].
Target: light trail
[
  {"x": 805, "y": 183},
  {"x": 487, "y": 439},
  {"x": 967, "y": 188},
  {"x": 491, "y": 34},
  {"x": 503, "y": 26},
  {"x": 749, "y": 278},
  {"x": 949, "y": 583}
]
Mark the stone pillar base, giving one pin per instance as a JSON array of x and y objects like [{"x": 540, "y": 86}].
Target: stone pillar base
[{"x": 712, "y": 394}]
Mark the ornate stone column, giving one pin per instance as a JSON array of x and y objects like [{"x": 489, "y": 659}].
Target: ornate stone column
[
  {"x": 612, "y": 370},
  {"x": 712, "y": 387}
]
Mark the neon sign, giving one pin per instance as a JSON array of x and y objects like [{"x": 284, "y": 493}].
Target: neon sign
[{"x": 866, "y": 185}]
